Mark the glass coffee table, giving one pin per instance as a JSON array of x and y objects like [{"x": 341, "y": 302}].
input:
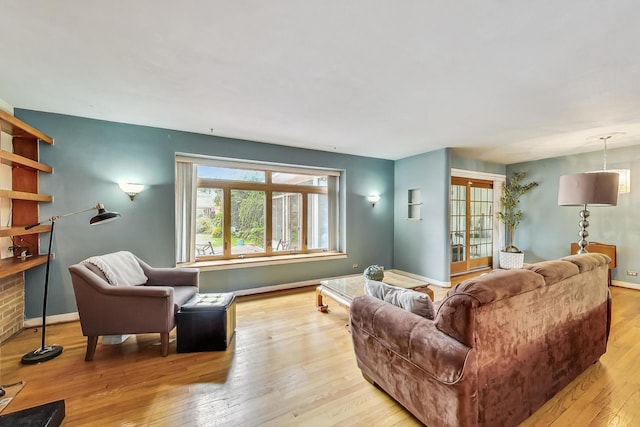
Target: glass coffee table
[{"x": 344, "y": 289}]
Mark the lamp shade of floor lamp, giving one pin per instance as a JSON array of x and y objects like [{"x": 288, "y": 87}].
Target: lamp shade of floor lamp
[
  {"x": 48, "y": 352},
  {"x": 584, "y": 189}
]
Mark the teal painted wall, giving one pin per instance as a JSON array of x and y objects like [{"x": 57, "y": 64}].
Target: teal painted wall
[
  {"x": 547, "y": 229},
  {"x": 422, "y": 247},
  {"x": 90, "y": 156}
]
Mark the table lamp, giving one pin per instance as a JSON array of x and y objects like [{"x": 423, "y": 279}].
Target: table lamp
[{"x": 583, "y": 189}]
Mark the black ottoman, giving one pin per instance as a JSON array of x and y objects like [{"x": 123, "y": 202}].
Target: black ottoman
[{"x": 207, "y": 322}]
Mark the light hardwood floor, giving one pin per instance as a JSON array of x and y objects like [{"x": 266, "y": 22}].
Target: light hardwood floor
[
  {"x": 288, "y": 365},
  {"x": 469, "y": 275}
]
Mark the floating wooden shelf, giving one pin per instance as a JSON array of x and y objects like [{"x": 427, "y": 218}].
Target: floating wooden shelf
[
  {"x": 23, "y": 159},
  {"x": 16, "y": 127},
  {"x": 9, "y": 266},
  {"x": 14, "y": 160},
  {"x": 23, "y": 195},
  {"x": 20, "y": 231}
]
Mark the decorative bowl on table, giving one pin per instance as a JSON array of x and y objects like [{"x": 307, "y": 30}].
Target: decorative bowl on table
[{"x": 374, "y": 272}]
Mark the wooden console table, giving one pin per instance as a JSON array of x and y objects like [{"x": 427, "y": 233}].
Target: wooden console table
[{"x": 599, "y": 248}]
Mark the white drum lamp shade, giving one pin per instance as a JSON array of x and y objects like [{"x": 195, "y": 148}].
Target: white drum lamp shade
[{"x": 595, "y": 189}]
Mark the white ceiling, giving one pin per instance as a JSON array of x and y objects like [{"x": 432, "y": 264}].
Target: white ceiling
[{"x": 502, "y": 81}]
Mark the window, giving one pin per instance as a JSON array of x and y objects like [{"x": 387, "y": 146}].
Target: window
[{"x": 233, "y": 209}]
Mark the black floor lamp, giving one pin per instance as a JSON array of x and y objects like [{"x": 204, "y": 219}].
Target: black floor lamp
[{"x": 46, "y": 352}]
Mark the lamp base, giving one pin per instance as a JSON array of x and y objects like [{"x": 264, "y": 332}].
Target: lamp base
[
  {"x": 42, "y": 354},
  {"x": 583, "y": 233}
]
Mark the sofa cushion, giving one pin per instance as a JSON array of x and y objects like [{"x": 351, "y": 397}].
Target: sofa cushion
[
  {"x": 588, "y": 261},
  {"x": 412, "y": 301},
  {"x": 498, "y": 285},
  {"x": 554, "y": 271}
]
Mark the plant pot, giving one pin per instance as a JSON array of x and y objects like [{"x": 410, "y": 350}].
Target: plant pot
[{"x": 511, "y": 260}]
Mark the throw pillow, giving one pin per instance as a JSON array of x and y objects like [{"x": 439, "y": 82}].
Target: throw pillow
[
  {"x": 119, "y": 268},
  {"x": 412, "y": 301}
]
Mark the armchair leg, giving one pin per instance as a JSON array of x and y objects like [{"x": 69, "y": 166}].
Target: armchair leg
[
  {"x": 164, "y": 343},
  {"x": 92, "y": 341}
]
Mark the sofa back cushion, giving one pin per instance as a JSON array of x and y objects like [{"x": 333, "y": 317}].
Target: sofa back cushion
[
  {"x": 554, "y": 271},
  {"x": 588, "y": 263},
  {"x": 455, "y": 315},
  {"x": 498, "y": 285}
]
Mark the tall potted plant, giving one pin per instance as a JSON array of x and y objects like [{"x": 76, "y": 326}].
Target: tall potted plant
[{"x": 511, "y": 215}]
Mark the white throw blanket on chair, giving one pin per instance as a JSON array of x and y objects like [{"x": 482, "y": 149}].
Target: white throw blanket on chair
[{"x": 119, "y": 268}]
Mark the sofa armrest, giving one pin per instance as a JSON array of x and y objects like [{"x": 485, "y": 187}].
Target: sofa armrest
[
  {"x": 170, "y": 276},
  {"x": 173, "y": 276},
  {"x": 410, "y": 336},
  {"x": 137, "y": 291}
]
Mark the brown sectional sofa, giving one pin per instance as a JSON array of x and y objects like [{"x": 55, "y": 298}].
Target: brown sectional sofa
[{"x": 499, "y": 347}]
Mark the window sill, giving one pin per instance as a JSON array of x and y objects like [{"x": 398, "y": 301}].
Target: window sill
[{"x": 262, "y": 261}]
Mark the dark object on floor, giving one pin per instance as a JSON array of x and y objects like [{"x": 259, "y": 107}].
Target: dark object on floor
[
  {"x": 207, "y": 322},
  {"x": 49, "y": 415},
  {"x": 2, "y": 392}
]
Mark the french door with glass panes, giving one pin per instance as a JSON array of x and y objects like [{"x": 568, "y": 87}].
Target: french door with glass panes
[{"x": 471, "y": 224}]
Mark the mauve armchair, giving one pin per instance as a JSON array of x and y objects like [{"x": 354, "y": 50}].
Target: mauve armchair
[{"x": 120, "y": 294}]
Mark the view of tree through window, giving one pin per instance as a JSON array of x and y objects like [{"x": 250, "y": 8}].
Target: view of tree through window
[
  {"x": 247, "y": 222},
  {"x": 245, "y": 212}
]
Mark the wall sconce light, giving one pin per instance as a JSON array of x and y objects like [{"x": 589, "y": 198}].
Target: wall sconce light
[
  {"x": 624, "y": 181},
  {"x": 131, "y": 189},
  {"x": 373, "y": 199}
]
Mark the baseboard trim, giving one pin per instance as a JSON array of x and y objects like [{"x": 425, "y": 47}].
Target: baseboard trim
[
  {"x": 52, "y": 320},
  {"x": 621, "y": 284},
  {"x": 282, "y": 287}
]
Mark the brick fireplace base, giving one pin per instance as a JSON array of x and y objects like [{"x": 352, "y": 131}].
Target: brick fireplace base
[{"x": 11, "y": 305}]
